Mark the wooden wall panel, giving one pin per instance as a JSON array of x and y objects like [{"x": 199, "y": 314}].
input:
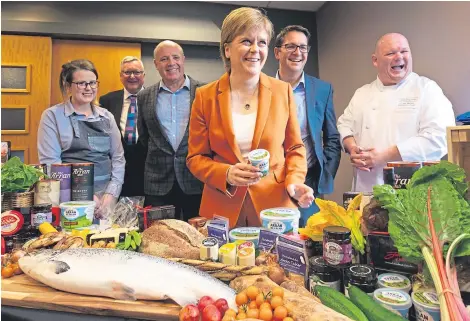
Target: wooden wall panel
[
  {"x": 106, "y": 56},
  {"x": 37, "y": 52}
]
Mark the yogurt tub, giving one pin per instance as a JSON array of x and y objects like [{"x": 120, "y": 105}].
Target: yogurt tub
[
  {"x": 395, "y": 300},
  {"x": 260, "y": 158},
  {"x": 280, "y": 220},
  {"x": 394, "y": 281},
  {"x": 426, "y": 304},
  {"x": 76, "y": 214},
  {"x": 244, "y": 234}
]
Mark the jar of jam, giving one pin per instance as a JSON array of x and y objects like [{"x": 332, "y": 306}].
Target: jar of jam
[
  {"x": 41, "y": 213},
  {"x": 313, "y": 248},
  {"x": 337, "y": 248},
  {"x": 361, "y": 275},
  {"x": 321, "y": 273}
]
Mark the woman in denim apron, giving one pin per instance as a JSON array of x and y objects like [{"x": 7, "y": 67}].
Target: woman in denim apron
[{"x": 79, "y": 131}]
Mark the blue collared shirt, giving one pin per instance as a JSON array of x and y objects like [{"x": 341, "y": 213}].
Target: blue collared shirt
[
  {"x": 173, "y": 109},
  {"x": 299, "y": 96},
  {"x": 55, "y": 135}
]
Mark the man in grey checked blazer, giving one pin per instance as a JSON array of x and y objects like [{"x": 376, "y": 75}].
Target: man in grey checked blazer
[{"x": 163, "y": 130}]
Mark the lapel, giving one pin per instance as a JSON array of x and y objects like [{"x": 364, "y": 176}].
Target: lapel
[
  {"x": 311, "y": 103},
  {"x": 116, "y": 107},
  {"x": 264, "y": 104}
]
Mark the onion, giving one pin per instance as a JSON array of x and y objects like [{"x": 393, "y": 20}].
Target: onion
[
  {"x": 276, "y": 274},
  {"x": 17, "y": 255}
]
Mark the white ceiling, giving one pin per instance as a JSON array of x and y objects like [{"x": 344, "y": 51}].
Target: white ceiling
[{"x": 289, "y": 5}]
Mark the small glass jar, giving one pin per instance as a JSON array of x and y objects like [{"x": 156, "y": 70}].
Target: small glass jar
[
  {"x": 313, "y": 248},
  {"x": 361, "y": 275},
  {"x": 337, "y": 248},
  {"x": 41, "y": 213},
  {"x": 322, "y": 274}
]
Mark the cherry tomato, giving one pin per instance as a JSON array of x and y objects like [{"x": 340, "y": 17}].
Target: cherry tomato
[
  {"x": 252, "y": 314},
  {"x": 228, "y": 318},
  {"x": 260, "y": 299},
  {"x": 241, "y": 316},
  {"x": 7, "y": 272},
  {"x": 265, "y": 305},
  {"x": 222, "y": 305},
  {"x": 203, "y": 302},
  {"x": 276, "y": 301},
  {"x": 252, "y": 291},
  {"x": 211, "y": 313},
  {"x": 288, "y": 319},
  {"x": 189, "y": 313},
  {"x": 265, "y": 314},
  {"x": 252, "y": 305},
  {"x": 280, "y": 312},
  {"x": 231, "y": 312},
  {"x": 241, "y": 298},
  {"x": 278, "y": 291},
  {"x": 16, "y": 269}
]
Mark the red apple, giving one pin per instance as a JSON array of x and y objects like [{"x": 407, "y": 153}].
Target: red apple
[
  {"x": 222, "y": 305},
  {"x": 203, "y": 302},
  {"x": 189, "y": 313},
  {"x": 211, "y": 313}
]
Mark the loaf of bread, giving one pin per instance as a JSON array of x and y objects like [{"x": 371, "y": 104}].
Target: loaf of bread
[{"x": 171, "y": 238}]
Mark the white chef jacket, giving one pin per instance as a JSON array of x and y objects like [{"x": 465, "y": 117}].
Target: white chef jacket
[{"x": 413, "y": 115}]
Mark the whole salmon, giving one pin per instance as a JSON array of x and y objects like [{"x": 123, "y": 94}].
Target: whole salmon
[{"x": 123, "y": 275}]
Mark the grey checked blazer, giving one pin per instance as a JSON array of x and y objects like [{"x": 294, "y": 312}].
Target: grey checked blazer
[{"x": 162, "y": 164}]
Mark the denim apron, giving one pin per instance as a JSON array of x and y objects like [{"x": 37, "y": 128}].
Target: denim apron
[{"x": 91, "y": 143}]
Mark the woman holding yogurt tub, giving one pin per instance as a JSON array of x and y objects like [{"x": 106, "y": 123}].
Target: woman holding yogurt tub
[
  {"x": 79, "y": 131},
  {"x": 244, "y": 118}
]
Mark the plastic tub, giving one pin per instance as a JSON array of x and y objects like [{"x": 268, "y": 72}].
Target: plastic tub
[
  {"x": 281, "y": 220},
  {"x": 426, "y": 304},
  {"x": 394, "y": 281},
  {"x": 245, "y": 234},
  {"x": 76, "y": 214},
  {"x": 260, "y": 158},
  {"x": 394, "y": 300}
]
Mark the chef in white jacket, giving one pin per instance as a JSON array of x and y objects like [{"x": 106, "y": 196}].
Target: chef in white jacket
[{"x": 400, "y": 116}]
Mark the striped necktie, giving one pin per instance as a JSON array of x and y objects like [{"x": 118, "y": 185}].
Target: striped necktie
[{"x": 130, "y": 133}]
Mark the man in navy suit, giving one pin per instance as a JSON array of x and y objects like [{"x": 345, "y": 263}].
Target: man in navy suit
[
  {"x": 123, "y": 105},
  {"x": 315, "y": 112}
]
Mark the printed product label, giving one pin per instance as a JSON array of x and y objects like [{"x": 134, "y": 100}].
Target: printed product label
[
  {"x": 423, "y": 315},
  {"x": 12, "y": 222},
  {"x": 267, "y": 240},
  {"x": 395, "y": 281},
  {"x": 75, "y": 217},
  {"x": 292, "y": 260},
  {"x": 63, "y": 174},
  {"x": 276, "y": 226},
  {"x": 39, "y": 218},
  {"x": 333, "y": 253},
  {"x": 219, "y": 233},
  {"x": 392, "y": 297},
  {"x": 315, "y": 280}
]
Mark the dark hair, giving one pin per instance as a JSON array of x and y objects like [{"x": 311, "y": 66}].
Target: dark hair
[
  {"x": 282, "y": 34},
  {"x": 69, "y": 68}
]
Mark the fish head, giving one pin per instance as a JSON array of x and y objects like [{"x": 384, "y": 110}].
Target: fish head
[{"x": 40, "y": 262}]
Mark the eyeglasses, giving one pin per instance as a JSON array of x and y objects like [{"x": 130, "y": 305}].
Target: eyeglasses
[
  {"x": 136, "y": 73},
  {"x": 83, "y": 84},
  {"x": 290, "y": 47}
]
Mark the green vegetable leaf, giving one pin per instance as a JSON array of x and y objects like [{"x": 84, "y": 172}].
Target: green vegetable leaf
[{"x": 18, "y": 177}]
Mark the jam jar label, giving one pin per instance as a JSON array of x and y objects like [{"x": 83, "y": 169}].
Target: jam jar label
[
  {"x": 315, "y": 280},
  {"x": 39, "y": 218},
  {"x": 336, "y": 254}
]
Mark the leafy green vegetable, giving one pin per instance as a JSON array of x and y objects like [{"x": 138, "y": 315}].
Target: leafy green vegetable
[
  {"x": 409, "y": 224},
  {"x": 18, "y": 177}
]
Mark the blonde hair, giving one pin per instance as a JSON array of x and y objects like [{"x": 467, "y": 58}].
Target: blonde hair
[
  {"x": 127, "y": 59},
  {"x": 237, "y": 22}
]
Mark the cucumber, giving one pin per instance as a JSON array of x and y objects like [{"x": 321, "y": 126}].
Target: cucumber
[
  {"x": 372, "y": 309},
  {"x": 339, "y": 302}
]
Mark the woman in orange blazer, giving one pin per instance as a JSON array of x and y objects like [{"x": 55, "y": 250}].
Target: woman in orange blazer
[{"x": 242, "y": 111}]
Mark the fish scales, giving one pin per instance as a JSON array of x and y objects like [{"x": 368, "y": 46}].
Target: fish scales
[{"x": 123, "y": 275}]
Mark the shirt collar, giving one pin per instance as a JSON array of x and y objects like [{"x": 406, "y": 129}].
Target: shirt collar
[
  {"x": 127, "y": 94},
  {"x": 381, "y": 86},
  {"x": 186, "y": 84},
  {"x": 69, "y": 110},
  {"x": 301, "y": 81}
]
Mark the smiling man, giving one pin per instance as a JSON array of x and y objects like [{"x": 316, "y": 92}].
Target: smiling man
[
  {"x": 400, "y": 116},
  {"x": 123, "y": 105},
  {"x": 163, "y": 128},
  {"x": 315, "y": 112}
]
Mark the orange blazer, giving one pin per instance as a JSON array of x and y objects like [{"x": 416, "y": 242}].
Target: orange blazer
[{"x": 212, "y": 147}]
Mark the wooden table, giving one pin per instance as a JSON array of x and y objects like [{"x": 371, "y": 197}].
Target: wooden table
[{"x": 24, "y": 292}]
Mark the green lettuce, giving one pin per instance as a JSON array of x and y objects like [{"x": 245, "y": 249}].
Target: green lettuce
[
  {"x": 18, "y": 177},
  {"x": 409, "y": 224}
]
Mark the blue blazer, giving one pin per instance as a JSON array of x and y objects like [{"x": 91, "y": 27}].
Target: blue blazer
[{"x": 322, "y": 124}]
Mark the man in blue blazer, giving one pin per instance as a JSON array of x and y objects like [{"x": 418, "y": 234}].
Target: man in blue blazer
[{"x": 315, "y": 112}]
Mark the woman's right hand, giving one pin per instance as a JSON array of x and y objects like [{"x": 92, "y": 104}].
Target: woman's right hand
[{"x": 243, "y": 174}]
